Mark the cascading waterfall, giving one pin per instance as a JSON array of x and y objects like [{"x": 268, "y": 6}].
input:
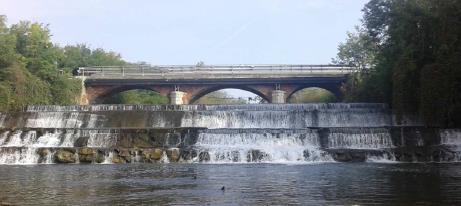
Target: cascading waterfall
[
  {"x": 251, "y": 107},
  {"x": 22, "y": 147},
  {"x": 54, "y": 120},
  {"x": 450, "y": 137},
  {"x": 261, "y": 146},
  {"x": 2, "y": 120},
  {"x": 293, "y": 116},
  {"x": 269, "y": 133},
  {"x": 104, "y": 139},
  {"x": 360, "y": 138}
]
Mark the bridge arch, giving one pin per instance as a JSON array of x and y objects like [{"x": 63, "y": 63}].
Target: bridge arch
[
  {"x": 103, "y": 96},
  {"x": 209, "y": 90},
  {"x": 328, "y": 93}
]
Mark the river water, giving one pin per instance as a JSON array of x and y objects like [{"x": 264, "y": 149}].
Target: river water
[
  {"x": 245, "y": 184},
  {"x": 269, "y": 154}
]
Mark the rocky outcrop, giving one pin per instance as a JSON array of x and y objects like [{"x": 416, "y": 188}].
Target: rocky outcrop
[
  {"x": 65, "y": 156},
  {"x": 348, "y": 155},
  {"x": 86, "y": 155},
  {"x": 173, "y": 154},
  {"x": 152, "y": 155}
]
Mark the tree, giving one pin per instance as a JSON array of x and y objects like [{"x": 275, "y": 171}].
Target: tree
[
  {"x": 359, "y": 51},
  {"x": 137, "y": 97},
  {"x": 7, "y": 45},
  {"x": 417, "y": 61}
]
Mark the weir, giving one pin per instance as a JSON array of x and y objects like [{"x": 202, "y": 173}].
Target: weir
[{"x": 272, "y": 133}]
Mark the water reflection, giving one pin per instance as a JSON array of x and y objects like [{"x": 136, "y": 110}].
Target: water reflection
[{"x": 245, "y": 184}]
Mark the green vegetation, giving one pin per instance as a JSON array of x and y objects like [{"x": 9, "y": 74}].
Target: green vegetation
[
  {"x": 33, "y": 70},
  {"x": 219, "y": 97},
  {"x": 137, "y": 97},
  {"x": 412, "y": 50},
  {"x": 312, "y": 95}
]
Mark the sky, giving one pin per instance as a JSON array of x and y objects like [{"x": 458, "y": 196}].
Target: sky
[{"x": 186, "y": 31}]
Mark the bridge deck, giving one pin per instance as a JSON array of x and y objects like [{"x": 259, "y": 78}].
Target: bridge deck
[{"x": 171, "y": 72}]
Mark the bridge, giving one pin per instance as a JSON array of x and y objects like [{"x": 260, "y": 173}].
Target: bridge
[{"x": 184, "y": 84}]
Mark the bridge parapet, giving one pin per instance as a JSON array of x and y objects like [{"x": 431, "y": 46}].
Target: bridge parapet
[{"x": 212, "y": 71}]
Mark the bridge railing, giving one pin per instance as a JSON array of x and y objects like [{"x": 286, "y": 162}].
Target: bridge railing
[{"x": 186, "y": 70}]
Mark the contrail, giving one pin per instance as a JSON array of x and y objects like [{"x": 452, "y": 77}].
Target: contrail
[{"x": 233, "y": 35}]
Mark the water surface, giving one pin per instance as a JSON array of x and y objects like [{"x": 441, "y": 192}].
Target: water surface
[{"x": 245, "y": 184}]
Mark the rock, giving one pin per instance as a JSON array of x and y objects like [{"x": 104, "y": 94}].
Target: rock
[
  {"x": 64, "y": 156},
  {"x": 204, "y": 157},
  {"x": 100, "y": 157},
  {"x": 43, "y": 152},
  {"x": 117, "y": 159},
  {"x": 256, "y": 155},
  {"x": 86, "y": 158},
  {"x": 86, "y": 155},
  {"x": 173, "y": 154},
  {"x": 349, "y": 156},
  {"x": 306, "y": 154},
  {"x": 151, "y": 155},
  {"x": 125, "y": 154},
  {"x": 188, "y": 154},
  {"x": 86, "y": 151},
  {"x": 156, "y": 154}
]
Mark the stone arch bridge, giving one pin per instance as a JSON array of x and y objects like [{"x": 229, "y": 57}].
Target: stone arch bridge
[{"x": 185, "y": 84}]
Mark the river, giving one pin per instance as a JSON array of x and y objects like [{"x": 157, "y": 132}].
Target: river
[
  {"x": 269, "y": 154},
  {"x": 245, "y": 184}
]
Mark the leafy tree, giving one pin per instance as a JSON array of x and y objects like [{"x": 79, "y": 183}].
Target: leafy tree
[
  {"x": 75, "y": 56},
  {"x": 7, "y": 45},
  {"x": 312, "y": 95},
  {"x": 27, "y": 88},
  {"x": 359, "y": 51},
  {"x": 99, "y": 57},
  {"x": 417, "y": 59},
  {"x": 137, "y": 97}
]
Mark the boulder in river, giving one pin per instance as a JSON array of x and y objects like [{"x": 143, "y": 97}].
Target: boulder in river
[
  {"x": 86, "y": 155},
  {"x": 173, "y": 154},
  {"x": 64, "y": 156}
]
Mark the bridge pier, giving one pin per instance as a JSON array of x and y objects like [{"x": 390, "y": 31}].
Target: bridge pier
[
  {"x": 278, "y": 97},
  {"x": 176, "y": 97}
]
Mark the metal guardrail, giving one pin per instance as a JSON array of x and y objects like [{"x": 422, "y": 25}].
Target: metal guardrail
[{"x": 191, "y": 70}]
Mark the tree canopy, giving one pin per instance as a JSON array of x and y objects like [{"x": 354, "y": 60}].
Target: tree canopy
[
  {"x": 34, "y": 70},
  {"x": 416, "y": 64}
]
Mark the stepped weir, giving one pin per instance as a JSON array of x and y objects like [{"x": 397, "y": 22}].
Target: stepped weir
[{"x": 270, "y": 133}]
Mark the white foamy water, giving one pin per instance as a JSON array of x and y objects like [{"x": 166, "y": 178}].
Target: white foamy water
[
  {"x": 21, "y": 147},
  {"x": 261, "y": 147},
  {"x": 450, "y": 137},
  {"x": 363, "y": 138},
  {"x": 102, "y": 139},
  {"x": 2, "y": 120},
  {"x": 272, "y": 133},
  {"x": 210, "y": 116},
  {"x": 55, "y": 120},
  {"x": 18, "y": 155}
]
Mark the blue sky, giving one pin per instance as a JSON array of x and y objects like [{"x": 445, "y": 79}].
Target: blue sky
[{"x": 186, "y": 31}]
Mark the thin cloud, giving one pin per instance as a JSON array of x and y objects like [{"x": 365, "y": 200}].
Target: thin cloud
[{"x": 234, "y": 34}]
